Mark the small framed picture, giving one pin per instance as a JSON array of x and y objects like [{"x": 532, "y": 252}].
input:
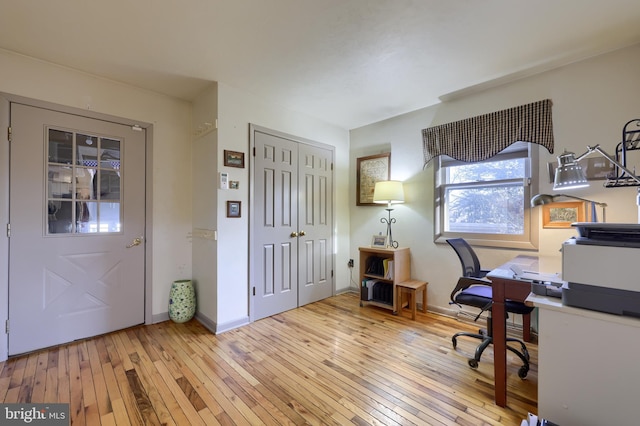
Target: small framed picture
[
  {"x": 234, "y": 159},
  {"x": 379, "y": 241},
  {"x": 562, "y": 215},
  {"x": 233, "y": 208},
  {"x": 234, "y": 184}
]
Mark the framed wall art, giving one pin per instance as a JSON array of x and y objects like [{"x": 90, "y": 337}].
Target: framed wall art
[
  {"x": 562, "y": 215},
  {"x": 370, "y": 170},
  {"x": 233, "y": 208},
  {"x": 234, "y": 159}
]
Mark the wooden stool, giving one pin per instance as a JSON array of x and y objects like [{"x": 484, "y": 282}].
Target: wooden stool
[{"x": 411, "y": 287}]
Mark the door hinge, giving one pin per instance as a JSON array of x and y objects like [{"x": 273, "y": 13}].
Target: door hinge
[
  {"x": 331, "y": 166},
  {"x": 6, "y": 326},
  {"x": 332, "y": 273},
  {"x": 9, "y": 133},
  {"x": 8, "y": 230},
  {"x": 254, "y": 290},
  {"x": 254, "y": 151}
]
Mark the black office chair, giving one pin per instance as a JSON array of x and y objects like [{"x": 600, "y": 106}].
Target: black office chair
[{"x": 473, "y": 289}]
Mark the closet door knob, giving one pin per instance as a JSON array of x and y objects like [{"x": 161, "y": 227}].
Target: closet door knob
[
  {"x": 302, "y": 233},
  {"x": 293, "y": 234}
]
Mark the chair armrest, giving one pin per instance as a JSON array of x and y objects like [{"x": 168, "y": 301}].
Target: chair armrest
[
  {"x": 483, "y": 273},
  {"x": 466, "y": 282},
  {"x": 469, "y": 281}
]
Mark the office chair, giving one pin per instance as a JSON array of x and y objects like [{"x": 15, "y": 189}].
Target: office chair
[{"x": 473, "y": 289}]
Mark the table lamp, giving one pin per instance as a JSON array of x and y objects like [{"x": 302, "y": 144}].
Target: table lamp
[{"x": 389, "y": 192}]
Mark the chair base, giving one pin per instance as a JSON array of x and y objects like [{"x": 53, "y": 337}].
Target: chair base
[{"x": 488, "y": 340}]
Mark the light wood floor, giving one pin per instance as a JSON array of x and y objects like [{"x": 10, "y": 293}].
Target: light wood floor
[{"x": 330, "y": 362}]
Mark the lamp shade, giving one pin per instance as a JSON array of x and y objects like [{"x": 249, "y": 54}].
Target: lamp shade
[
  {"x": 388, "y": 191},
  {"x": 569, "y": 174}
]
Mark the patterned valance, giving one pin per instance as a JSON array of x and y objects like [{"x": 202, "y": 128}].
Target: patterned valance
[{"x": 478, "y": 138}]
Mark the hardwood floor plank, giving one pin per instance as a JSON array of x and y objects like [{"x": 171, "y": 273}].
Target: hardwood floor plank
[
  {"x": 155, "y": 392},
  {"x": 142, "y": 399},
  {"x": 128, "y": 398},
  {"x": 331, "y": 362},
  {"x": 76, "y": 401},
  {"x": 99, "y": 385}
]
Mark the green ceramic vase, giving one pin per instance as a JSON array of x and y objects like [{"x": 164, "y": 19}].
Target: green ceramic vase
[{"x": 182, "y": 301}]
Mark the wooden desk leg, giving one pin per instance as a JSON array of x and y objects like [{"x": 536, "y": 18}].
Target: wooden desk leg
[
  {"x": 499, "y": 342},
  {"x": 526, "y": 327}
]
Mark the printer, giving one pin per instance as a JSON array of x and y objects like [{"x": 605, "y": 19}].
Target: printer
[{"x": 602, "y": 268}]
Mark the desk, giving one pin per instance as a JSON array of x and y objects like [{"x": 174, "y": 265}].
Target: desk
[{"x": 505, "y": 286}]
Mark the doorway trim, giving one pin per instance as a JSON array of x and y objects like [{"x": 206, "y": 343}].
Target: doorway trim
[{"x": 5, "y": 104}]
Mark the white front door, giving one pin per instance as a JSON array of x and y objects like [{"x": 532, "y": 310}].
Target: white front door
[
  {"x": 292, "y": 238},
  {"x": 77, "y": 214}
]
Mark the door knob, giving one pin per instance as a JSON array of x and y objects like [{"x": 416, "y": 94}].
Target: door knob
[
  {"x": 136, "y": 242},
  {"x": 293, "y": 234},
  {"x": 302, "y": 233}
]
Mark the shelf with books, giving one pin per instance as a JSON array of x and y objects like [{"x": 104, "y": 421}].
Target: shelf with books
[{"x": 380, "y": 270}]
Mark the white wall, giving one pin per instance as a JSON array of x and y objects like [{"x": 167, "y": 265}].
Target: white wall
[
  {"x": 592, "y": 100},
  {"x": 236, "y": 110},
  {"x": 205, "y": 204},
  {"x": 23, "y": 76}
]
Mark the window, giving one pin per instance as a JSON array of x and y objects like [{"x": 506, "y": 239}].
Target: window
[
  {"x": 487, "y": 202},
  {"x": 83, "y": 181}
]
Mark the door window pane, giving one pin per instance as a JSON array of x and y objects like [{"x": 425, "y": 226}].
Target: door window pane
[
  {"x": 60, "y": 147},
  {"x": 87, "y": 150},
  {"x": 109, "y": 185},
  {"x": 60, "y": 215},
  {"x": 60, "y": 181}
]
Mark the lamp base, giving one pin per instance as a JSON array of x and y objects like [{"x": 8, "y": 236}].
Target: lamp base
[{"x": 391, "y": 243}]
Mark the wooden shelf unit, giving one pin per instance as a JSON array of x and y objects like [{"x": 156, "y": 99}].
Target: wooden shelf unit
[{"x": 401, "y": 270}]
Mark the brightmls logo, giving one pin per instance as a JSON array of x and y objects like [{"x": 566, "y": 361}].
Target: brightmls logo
[{"x": 37, "y": 414}]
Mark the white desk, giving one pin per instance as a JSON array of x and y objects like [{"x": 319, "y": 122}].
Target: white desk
[{"x": 588, "y": 366}]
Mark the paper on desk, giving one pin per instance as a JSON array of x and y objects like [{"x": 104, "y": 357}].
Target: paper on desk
[{"x": 545, "y": 278}]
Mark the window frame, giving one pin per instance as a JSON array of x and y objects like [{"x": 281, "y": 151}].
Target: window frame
[{"x": 529, "y": 240}]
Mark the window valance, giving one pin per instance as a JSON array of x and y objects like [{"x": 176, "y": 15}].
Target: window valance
[{"x": 482, "y": 137}]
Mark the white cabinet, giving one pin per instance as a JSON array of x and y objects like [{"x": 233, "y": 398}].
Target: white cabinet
[{"x": 588, "y": 370}]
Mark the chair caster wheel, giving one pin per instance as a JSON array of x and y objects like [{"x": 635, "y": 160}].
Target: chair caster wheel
[
  {"x": 474, "y": 364},
  {"x": 522, "y": 371}
]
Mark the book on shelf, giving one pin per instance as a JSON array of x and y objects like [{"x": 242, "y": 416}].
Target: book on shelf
[
  {"x": 367, "y": 285},
  {"x": 388, "y": 269}
]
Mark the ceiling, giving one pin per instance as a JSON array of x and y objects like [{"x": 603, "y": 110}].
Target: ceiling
[{"x": 347, "y": 62}]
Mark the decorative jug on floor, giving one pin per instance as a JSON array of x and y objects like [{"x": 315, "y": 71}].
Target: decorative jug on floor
[{"x": 182, "y": 301}]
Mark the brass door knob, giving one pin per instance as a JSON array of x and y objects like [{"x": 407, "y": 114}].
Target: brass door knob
[{"x": 135, "y": 242}]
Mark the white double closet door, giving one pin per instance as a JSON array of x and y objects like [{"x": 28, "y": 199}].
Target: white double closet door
[{"x": 292, "y": 225}]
